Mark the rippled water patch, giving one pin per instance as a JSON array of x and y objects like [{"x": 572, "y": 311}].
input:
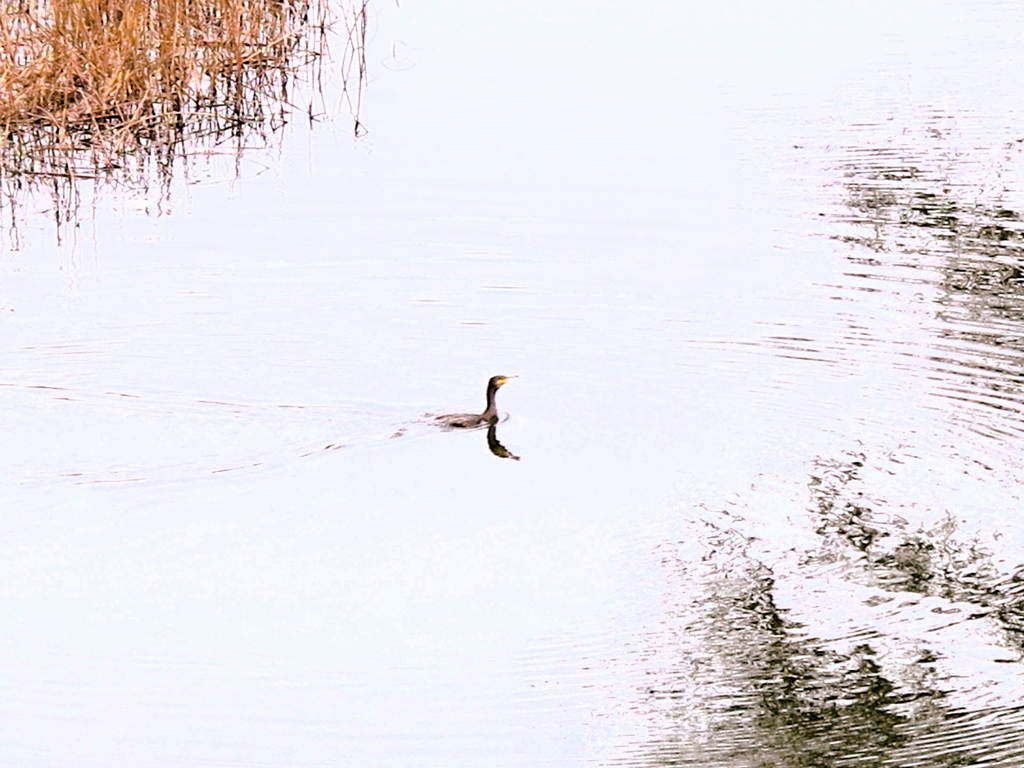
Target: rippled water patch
[
  {"x": 886, "y": 634},
  {"x": 936, "y": 220}
]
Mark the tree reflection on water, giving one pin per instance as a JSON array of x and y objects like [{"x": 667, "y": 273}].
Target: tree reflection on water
[
  {"x": 888, "y": 636},
  {"x": 754, "y": 685},
  {"x": 929, "y": 224}
]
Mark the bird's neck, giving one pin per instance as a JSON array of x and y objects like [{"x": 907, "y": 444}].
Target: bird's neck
[{"x": 492, "y": 409}]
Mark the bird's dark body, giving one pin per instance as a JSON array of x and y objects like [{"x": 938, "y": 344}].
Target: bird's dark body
[{"x": 473, "y": 420}]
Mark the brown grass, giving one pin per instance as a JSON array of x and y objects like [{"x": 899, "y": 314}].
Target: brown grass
[{"x": 90, "y": 86}]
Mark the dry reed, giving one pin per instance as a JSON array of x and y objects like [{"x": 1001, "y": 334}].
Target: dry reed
[{"x": 93, "y": 86}]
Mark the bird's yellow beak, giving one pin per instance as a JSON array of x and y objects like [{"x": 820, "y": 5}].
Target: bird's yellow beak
[{"x": 505, "y": 379}]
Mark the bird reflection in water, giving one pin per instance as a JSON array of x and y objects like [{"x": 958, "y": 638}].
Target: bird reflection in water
[
  {"x": 476, "y": 420},
  {"x": 497, "y": 448}
]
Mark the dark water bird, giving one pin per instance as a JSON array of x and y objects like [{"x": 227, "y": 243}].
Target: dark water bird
[{"x": 471, "y": 420}]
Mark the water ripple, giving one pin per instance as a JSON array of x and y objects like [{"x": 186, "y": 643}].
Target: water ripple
[{"x": 927, "y": 226}]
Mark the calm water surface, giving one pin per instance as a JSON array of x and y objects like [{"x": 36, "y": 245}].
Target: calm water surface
[{"x": 760, "y": 274}]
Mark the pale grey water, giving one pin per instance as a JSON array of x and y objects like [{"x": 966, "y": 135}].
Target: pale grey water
[{"x": 759, "y": 272}]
